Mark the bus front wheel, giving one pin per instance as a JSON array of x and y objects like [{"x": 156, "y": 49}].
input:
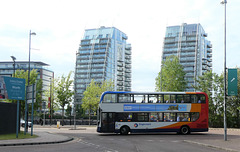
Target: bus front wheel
[
  {"x": 124, "y": 130},
  {"x": 185, "y": 130}
]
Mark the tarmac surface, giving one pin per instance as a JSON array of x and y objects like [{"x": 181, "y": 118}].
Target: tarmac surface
[{"x": 49, "y": 135}]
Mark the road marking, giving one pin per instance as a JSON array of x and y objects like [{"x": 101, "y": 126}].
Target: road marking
[{"x": 96, "y": 146}]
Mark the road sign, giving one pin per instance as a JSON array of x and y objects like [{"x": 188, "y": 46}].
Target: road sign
[
  {"x": 14, "y": 88},
  {"x": 29, "y": 95},
  {"x": 30, "y": 101},
  {"x": 30, "y": 90},
  {"x": 232, "y": 82}
]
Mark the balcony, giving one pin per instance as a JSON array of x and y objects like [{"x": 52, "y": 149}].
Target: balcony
[
  {"x": 127, "y": 89},
  {"x": 210, "y": 64},
  {"x": 127, "y": 85},
  {"x": 209, "y": 50},
  {"x": 128, "y": 75},
  {"x": 125, "y": 37},
  {"x": 209, "y": 60},
  {"x": 120, "y": 69},
  {"x": 119, "y": 88},
  {"x": 127, "y": 57},
  {"x": 128, "y": 80},
  {"x": 209, "y": 55},
  {"x": 128, "y": 66},
  {"x": 169, "y": 40},
  {"x": 128, "y": 62},
  {"x": 120, "y": 74},
  {"x": 191, "y": 38},
  {"x": 128, "y": 47},
  {"x": 119, "y": 83},
  {"x": 209, "y": 45},
  {"x": 119, "y": 78},
  {"x": 120, "y": 64},
  {"x": 204, "y": 62},
  {"x": 204, "y": 67},
  {"x": 205, "y": 34},
  {"x": 128, "y": 52},
  {"x": 128, "y": 70}
]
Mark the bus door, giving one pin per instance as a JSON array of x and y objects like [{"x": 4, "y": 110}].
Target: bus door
[{"x": 108, "y": 122}]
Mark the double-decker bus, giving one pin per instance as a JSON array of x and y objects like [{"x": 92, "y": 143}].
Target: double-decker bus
[{"x": 124, "y": 112}]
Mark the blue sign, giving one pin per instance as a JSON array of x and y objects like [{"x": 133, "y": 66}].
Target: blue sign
[
  {"x": 15, "y": 88},
  {"x": 167, "y": 107},
  {"x": 131, "y": 107}
]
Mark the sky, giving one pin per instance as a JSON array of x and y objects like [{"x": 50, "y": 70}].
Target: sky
[{"x": 60, "y": 24}]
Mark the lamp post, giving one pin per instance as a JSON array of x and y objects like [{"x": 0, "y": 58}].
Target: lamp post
[
  {"x": 26, "y": 107},
  {"x": 224, "y": 2},
  {"x": 50, "y": 101},
  {"x": 75, "y": 92},
  {"x": 13, "y": 58},
  {"x": 30, "y": 34}
]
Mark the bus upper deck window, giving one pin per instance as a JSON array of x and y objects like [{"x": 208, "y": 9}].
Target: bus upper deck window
[
  {"x": 166, "y": 98},
  {"x": 109, "y": 98},
  {"x": 194, "y": 98},
  {"x": 187, "y": 98},
  {"x": 125, "y": 98},
  {"x": 139, "y": 98},
  {"x": 202, "y": 98},
  {"x": 152, "y": 98},
  {"x": 180, "y": 99}
]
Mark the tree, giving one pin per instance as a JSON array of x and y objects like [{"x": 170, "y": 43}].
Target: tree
[
  {"x": 212, "y": 85},
  {"x": 91, "y": 96},
  {"x": 171, "y": 76},
  {"x": 64, "y": 92},
  {"x": 51, "y": 92},
  {"x": 233, "y": 107},
  {"x": 69, "y": 112},
  {"x": 33, "y": 77},
  {"x": 107, "y": 85}
]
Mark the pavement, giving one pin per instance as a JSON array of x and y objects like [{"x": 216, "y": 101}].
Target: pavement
[
  {"x": 217, "y": 140},
  {"x": 50, "y": 135}
]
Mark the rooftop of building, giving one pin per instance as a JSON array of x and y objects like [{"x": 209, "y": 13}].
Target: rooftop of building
[
  {"x": 103, "y": 27},
  {"x": 36, "y": 62}
]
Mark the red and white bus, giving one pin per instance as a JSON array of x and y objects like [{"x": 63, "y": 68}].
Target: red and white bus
[{"x": 124, "y": 112}]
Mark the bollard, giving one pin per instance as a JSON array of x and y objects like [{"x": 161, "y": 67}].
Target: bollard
[{"x": 58, "y": 124}]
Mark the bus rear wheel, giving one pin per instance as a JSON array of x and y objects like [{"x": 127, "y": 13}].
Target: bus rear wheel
[
  {"x": 124, "y": 130},
  {"x": 185, "y": 130}
]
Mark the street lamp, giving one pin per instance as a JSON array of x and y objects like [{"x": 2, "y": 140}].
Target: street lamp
[
  {"x": 26, "y": 107},
  {"x": 51, "y": 104},
  {"x": 224, "y": 2},
  {"x": 30, "y": 34},
  {"x": 13, "y": 58}
]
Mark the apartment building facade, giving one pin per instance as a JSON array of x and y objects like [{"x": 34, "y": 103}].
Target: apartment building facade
[
  {"x": 103, "y": 54},
  {"x": 189, "y": 42}
]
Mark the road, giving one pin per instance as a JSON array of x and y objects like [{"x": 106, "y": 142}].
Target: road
[{"x": 94, "y": 142}]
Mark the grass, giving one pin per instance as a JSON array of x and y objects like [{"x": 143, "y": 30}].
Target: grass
[{"x": 13, "y": 136}]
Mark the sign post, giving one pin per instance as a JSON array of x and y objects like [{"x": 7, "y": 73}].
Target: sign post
[
  {"x": 15, "y": 90},
  {"x": 31, "y": 98}
]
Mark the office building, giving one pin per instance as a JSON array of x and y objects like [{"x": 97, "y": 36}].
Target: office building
[
  {"x": 189, "y": 42},
  {"x": 104, "y": 54},
  {"x": 7, "y": 68}
]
